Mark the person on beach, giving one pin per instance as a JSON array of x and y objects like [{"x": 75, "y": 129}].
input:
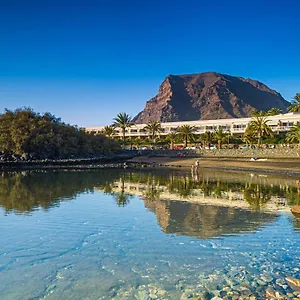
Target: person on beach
[{"x": 195, "y": 167}]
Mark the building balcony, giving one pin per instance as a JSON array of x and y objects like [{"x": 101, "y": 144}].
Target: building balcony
[
  {"x": 283, "y": 128},
  {"x": 238, "y": 129}
]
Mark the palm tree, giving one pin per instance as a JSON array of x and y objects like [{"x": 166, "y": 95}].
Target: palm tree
[
  {"x": 172, "y": 137},
  {"x": 273, "y": 112},
  {"x": 294, "y": 134},
  {"x": 186, "y": 132},
  {"x": 153, "y": 127},
  {"x": 260, "y": 128},
  {"x": 123, "y": 121},
  {"x": 109, "y": 131},
  {"x": 129, "y": 142},
  {"x": 220, "y": 136},
  {"x": 295, "y": 104},
  {"x": 137, "y": 142},
  {"x": 249, "y": 137},
  {"x": 257, "y": 113},
  {"x": 205, "y": 138}
]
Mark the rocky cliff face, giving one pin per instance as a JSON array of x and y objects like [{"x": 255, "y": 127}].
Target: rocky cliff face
[{"x": 208, "y": 96}]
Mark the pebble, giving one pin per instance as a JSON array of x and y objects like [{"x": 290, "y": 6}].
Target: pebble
[
  {"x": 261, "y": 282},
  {"x": 266, "y": 278}
]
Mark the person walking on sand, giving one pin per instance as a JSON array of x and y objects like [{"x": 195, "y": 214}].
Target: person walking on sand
[{"x": 195, "y": 166}]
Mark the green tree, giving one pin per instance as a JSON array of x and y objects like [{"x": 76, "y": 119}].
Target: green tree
[
  {"x": 24, "y": 132},
  {"x": 273, "y": 112},
  {"x": 249, "y": 137},
  {"x": 137, "y": 142},
  {"x": 123, "y": 121},
  {"x": 153, "y": 128},
  {"x": 172, "y": 138},
  {"x": 257, "y": 113},
  {"x": 186, "y": 132},
  {"x": 6, "y": 141},
  {"x": 109, "y": 131},
  {"x": 294, "y": 134},
  {"x": 295, "y": 104},
  {"x": 129, "y": 141},
  {"x": 259, "y": 128},
  {"x": 220, "y": 136},
  {"x": 206, "y": 138}
]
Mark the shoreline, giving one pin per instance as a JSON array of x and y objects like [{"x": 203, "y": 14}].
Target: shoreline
[
  {"x": 289, "y": 166},
  {"x": 99, "y": 162},
  {"x": 279, "y": 166}
]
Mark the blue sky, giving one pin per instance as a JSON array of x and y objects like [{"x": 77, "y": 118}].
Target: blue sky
[{"x": 86, "y": 61}]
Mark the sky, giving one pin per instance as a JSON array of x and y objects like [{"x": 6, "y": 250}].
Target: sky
[{"x": 86, "y": 61}]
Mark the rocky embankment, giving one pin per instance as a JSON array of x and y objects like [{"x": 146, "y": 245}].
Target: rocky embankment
[
  {"x": 279, "y": 152},
  {"x": 26, "y": 162}
]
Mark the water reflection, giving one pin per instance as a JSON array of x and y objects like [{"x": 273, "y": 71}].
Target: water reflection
[
  {"x": 217, "y": 203},
  {"x": 229, "y": 189},
  {"x": 129, "y": 235},
  {"x": 24, "y": 192},
  {"x": 213, "y": 205},
  {"x": 205, "y": 221}
]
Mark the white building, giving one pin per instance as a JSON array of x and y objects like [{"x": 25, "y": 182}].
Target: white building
[{"x": 237, "y": 126}]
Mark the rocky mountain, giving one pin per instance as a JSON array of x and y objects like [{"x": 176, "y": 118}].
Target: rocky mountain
[{"x": 207, "y": 96}]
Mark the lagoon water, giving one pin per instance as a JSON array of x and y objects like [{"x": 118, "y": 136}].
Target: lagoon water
[{"x": 166, "y": 234}]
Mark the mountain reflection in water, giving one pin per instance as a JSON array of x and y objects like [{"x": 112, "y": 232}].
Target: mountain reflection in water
[
  {"x": 215, "y": 203},
  {"x": 206, "y": 221}
]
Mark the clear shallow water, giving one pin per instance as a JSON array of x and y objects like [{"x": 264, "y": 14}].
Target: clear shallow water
[{"x": 127, "y": 235}]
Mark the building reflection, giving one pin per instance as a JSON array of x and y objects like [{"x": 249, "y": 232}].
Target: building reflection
[{"x": 212, "y": 204}]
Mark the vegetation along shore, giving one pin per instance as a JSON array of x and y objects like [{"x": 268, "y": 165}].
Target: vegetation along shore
[{"x": 31, "y": 139}]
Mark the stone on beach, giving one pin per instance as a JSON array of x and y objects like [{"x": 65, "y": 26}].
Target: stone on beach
[{"x": 296, "y": 209}]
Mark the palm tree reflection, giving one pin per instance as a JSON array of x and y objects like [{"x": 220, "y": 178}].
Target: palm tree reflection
[{"x": 122, "y": 198}]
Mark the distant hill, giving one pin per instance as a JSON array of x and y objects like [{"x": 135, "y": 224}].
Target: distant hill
[{"x": 207, "y": 96}]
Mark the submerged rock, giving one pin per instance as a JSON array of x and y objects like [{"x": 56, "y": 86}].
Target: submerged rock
[
  {"x": 266, "y": 278},
  {"x": 270, "y": 293},
  {"x": 294, "y": 283},
  {"x": 296, "y": 209}
]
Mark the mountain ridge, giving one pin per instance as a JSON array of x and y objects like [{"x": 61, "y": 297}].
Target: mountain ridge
[{"x": 208, "y": 95}]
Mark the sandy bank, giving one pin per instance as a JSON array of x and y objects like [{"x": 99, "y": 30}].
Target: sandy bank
[{"x": 289, "y": 166}]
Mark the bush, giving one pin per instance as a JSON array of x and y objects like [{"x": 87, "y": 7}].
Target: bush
[{"x": 44, "y": 136}]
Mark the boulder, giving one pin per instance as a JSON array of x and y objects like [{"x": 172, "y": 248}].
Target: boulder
[{"x": 296, "y": 210}]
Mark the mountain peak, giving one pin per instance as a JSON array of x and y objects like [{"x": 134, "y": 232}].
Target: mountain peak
[{"x": 208, "y": 95}]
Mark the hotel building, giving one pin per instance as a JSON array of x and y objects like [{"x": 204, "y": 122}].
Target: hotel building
[{"x": 237, "y": 126}]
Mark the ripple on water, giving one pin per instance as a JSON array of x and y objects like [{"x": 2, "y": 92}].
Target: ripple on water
[{"x": 91, "y": 248}]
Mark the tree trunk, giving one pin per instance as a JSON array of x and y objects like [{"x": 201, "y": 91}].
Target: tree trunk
[
  {"x": 219, "y": 144},
  {"x": 186, "y": 141},
  {"x": 123, "y": 131}
]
